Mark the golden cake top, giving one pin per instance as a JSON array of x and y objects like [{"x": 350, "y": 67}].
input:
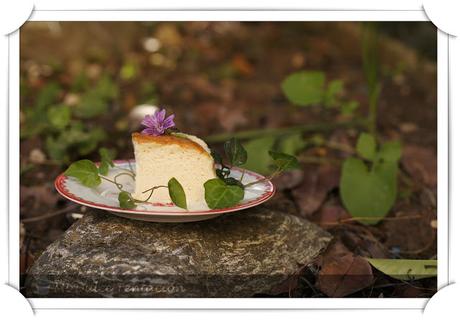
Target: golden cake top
[{"x": 168, "y": 139}]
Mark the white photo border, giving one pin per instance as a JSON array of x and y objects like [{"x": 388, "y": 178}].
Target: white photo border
[{"x": 232, "y": 303}]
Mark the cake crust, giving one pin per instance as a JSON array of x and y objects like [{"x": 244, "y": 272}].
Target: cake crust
[{"x": 168, "y": 139}]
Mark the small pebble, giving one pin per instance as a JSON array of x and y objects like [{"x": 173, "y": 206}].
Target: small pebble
[{"x": 37, "y": 156}]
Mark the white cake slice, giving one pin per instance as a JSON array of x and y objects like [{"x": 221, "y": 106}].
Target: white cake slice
[{"x": 160, "y": 158}]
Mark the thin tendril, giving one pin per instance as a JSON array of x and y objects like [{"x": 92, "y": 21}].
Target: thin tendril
[
  {"x": 151, "y": 193},
  {"x": 119, "y": 185}
]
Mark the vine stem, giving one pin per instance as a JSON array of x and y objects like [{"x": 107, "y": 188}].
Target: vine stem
[
  {"x": 274, "y": 174},
  {"x": 123, "y": 174},
  {"x": 119, "y": 185},
  {"x": 317, "y": 127},
  {"x": 150, "y": 195}
]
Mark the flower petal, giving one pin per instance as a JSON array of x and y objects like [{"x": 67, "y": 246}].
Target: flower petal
[
  {"x": 160, "y": 115},
  {"x": 149, "y": 121},
  {"x": 169, "y": 122},
  {"x": 151, "y": 132}
]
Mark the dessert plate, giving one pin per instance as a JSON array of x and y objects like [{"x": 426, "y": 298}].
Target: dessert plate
[{"x": 105, "y": 197}]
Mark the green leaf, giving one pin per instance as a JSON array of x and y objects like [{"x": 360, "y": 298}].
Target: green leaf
[
  {"x": 126, "y": 200},
  {"x": 349, "y": 107},
  {"x": 47, "y": 96},
  {"x": 235, "y": 152},
  {"x": 80, "y": 83},
  {"x": 284, "y": 161},
  {"x": 103, "y": 168},
  {"x": 390, "y": 151},
  {"x": 56, "y": 148},
  {"x": 402, "y": 269},
  {"x": 216, "y": 156},
  {"x": 106, "y": 88},
  {"x": 258, "y": 159},
  {"x": 366, "y": 146},
  {"x": 334, "y": 88},
  {"x": 107, "y": 156},
  {"x": 177, "y": 194},
  {"x": 304, "y": 88},
  {"x": 90, "y": 140},
  {"x": 129, "y": 70},
  {"x": 85, "y": 171},
  {"x": 232, "y": 181},
  {"x": 59, "y": 116},
  {"x": 368, "y": 194},
  {"x": 92, "y": 104},
  {"x": 220, "y": 195},
  {"x": 292, "y": 144}
]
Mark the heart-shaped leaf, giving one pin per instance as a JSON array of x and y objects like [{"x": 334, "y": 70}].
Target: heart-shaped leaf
[
  {"x": 390, "y": 151},
  {"x": 216, "y": 156},
  {"x": 107, "y": 156},
  {"x": 59, "y": 116},
  {"x": 334, "y": 88},
  {"x": 304, "y": 88},
  {"x": 177, "y": 194},
  {"x": 349, "y": 107},
  {"x": 259, "y": 161},
  {"x": 85, "y": 171},
  {"x": 291, "y": 144},
  {"x": 284, "y": 161},
  {"x": 126, "y": 201},
  {"x": 235, "y": 152},
  {"x": 366, "y": 146},
  {"x": 219, "y": 195},
  {"x": 368, "y": 194},
  {"x": 402, "y": 269}
]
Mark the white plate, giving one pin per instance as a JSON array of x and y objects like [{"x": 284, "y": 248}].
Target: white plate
[{"x": 105, "y": 197}]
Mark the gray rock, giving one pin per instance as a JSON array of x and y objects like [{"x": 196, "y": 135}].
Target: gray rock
[{"x": 236, "y": 255}]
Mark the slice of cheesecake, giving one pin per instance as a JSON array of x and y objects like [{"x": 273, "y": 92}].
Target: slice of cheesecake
[{"x": 160, "y": 158}]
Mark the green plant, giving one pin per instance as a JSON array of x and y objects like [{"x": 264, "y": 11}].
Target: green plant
[
  {"x": 226, "y": 191},
  {"x": 307, "y": 88},
  {"x": 368, "y": 185},
  {"x": 262, "y": 162},
  {"x": 69, "y": 131},
  {"x": 370, "y": 65}
]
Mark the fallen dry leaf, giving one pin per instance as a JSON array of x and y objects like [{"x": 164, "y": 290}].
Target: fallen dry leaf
[
  {"x": 288, "y": 180},
  {"x": 412, "y": 236},
  {"x": 361, "y": 241},
  {"x": 421, "y": 164},
  {"x": 242, "y": 65},
  {"x": 40, "y": 194},
  {"x": 330, "y": 215},
  {"x": 343, "y": 273},
  {"x": 317, "y": 183}
]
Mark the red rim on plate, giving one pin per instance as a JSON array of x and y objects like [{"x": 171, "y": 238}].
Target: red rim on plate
[{"x": 60, "y": 185}]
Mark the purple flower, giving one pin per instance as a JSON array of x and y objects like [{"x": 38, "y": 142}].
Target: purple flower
[{"x": 157, "y": 124}]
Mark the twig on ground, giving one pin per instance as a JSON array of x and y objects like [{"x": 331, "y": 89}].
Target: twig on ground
[
  {"x": 50, "y": 215},
  {"x": 416, "y": 216}
]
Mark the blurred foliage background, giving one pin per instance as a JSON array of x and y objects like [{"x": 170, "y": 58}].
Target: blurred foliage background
[{"x": 82, "y": 85}]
